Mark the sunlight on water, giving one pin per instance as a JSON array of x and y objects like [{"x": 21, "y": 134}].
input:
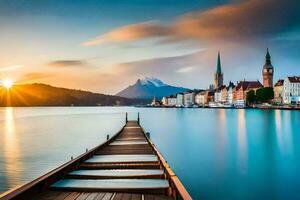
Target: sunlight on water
[{"x": 11, "y": 149}]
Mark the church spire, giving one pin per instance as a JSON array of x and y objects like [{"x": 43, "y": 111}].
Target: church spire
[
  {"x": 268, "y": 57},
  {"x": 219, "y": 70},
  {"x": 218, "y": 74}
]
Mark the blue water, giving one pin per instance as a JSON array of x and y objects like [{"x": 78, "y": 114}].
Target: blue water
[{"x": 217, "y": 154}]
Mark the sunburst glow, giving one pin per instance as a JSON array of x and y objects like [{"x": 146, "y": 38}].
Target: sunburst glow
[{"x": 7, "y": 83}]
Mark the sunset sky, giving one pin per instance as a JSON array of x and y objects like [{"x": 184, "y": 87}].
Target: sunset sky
[{"x": 105, "y": 45}]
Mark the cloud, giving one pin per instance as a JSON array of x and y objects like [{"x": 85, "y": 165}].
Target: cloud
[
  {"x": 245, "y": 20},
  {"x": 31, "y": 77},
  {"x": 165, "y": 68},
  {"x": 67, "y": 63},
  {"x": 10, "y": 68},
  {"x": 185, "y": 70},
  {"x": 131, "y": 33}
]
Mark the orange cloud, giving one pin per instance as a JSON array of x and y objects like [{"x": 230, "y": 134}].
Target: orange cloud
[
  {"x": 131, "y": 33},
  {"x": 34, "y": 76},
  {"x": 236, "y": 21}
]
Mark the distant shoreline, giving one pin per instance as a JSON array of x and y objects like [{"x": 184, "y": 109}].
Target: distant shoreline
[
  {"x": 233, "y": 108},
  {"x": 155, "y": 107}
]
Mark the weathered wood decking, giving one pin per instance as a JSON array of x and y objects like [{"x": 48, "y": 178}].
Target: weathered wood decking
[{"x": 128, "y": 166}]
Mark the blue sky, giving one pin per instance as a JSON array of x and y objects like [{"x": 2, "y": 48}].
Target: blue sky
[{"x": 103, "y": 46}]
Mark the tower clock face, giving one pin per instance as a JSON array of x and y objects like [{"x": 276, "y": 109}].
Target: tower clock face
[
  {"x": 265, "y": 70},
  {"x": 271, "y": 70}
]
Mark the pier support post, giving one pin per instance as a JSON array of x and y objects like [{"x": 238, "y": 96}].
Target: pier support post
[
  {"x": 107, "y": 137},
  {"x": 126, "y": 117},
  {"x": 138, "y": 118}
]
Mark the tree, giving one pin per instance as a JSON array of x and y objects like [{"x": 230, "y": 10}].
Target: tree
[
  {"x": 251, "y": 97},
  {"x": 265, "y": 94}
]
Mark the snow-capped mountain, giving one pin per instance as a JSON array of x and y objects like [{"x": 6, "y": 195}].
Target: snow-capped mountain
[
  {"x": 148, "y": 88},
  {"x": 154, "y": 81}
]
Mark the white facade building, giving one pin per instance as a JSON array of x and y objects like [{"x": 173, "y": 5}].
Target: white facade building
[
  {"x": 199, "y": 98},
  {"x": 172, "y": 101},
  {"x": 291, "y": 90},
  {"x": 218, "y": 96},
  {"x": 179, "y": 100},
  {"x": 188, "y": 99}
]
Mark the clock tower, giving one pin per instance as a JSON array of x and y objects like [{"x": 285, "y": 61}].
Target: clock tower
[{"x": 268, "y": 71}]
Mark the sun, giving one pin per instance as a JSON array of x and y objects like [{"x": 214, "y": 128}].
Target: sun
[{"x": 7, "y": 83}]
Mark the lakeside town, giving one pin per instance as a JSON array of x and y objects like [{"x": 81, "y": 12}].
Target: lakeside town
[{"x": 285, "y": 93}]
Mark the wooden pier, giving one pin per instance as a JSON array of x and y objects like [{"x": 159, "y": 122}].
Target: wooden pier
[{"x": 127, "y": 166}]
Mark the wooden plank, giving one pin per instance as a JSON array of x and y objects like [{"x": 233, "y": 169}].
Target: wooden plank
[
  {"x": 72, "y": 196},
  {"x": 48, "y": 195},
  {"x": 162, "y": 197},
  {"x": 107, "y": 196},
  {"x": 148, "y": 197},
  {"x": 126, "y": 196},
  {"x": 83, "y": 196},
  {"x": 154, "y": 165},
  {"x": 118, "y": 196},
  {"x": 99, "y": 196},
  {"x": 136, "y": 197},
  {"x": 92, "y": 196}
]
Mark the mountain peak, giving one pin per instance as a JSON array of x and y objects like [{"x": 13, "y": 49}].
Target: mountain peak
[
  {"x": 148, "y": 87},
  {"x": 152, "y": 81}
]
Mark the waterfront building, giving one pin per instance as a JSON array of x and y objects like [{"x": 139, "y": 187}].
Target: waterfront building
[
  {"x": 243, "y": 87},
  {"x": 291, "y": 90},
  {"x": 218, "y": 97},
  {"x": 188, "y": 99},
  {"x": 218, "y": 75},
  {"x": 230, "y": 93},
  {"x": 179, "y": 100},
  {"x": 172, "y": 100},
  {"x": 201, "y": 98},
  {"x": 268, "y": 71},
  {"x": 155, "y": 103},
  {"x": 210, "y": 96},
  {"x": 224, "y": 94},
  {"x": 204, "y": 97},
  {"x": 278, "y": 89},
  {"x": 164, "y": 101}
]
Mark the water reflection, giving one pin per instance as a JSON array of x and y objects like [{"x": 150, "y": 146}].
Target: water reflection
[
  {"x": 283, "y": 132},
  {"x": 11, "y": 153},
  {"x": 222, "y": 129},
  {"x": 242, "y": 142},
  {"x": 221, "y": 140}
]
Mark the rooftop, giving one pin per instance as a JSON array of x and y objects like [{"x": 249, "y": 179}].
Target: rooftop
[
  {"x": 246, "y": 85},
  {"x": 294, "y": 79},
  {"x": 279, "y": 83}
]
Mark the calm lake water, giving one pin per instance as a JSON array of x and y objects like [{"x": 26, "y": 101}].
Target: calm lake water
[{"x": 217, "y": 154}]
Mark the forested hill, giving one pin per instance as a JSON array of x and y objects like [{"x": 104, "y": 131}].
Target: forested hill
[{"x": 46, "y": 95}]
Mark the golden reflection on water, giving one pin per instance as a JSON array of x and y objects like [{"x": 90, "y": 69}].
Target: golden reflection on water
[
  {"x": 242, "y": 142},
  {"x": 11, "y": 148}
]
